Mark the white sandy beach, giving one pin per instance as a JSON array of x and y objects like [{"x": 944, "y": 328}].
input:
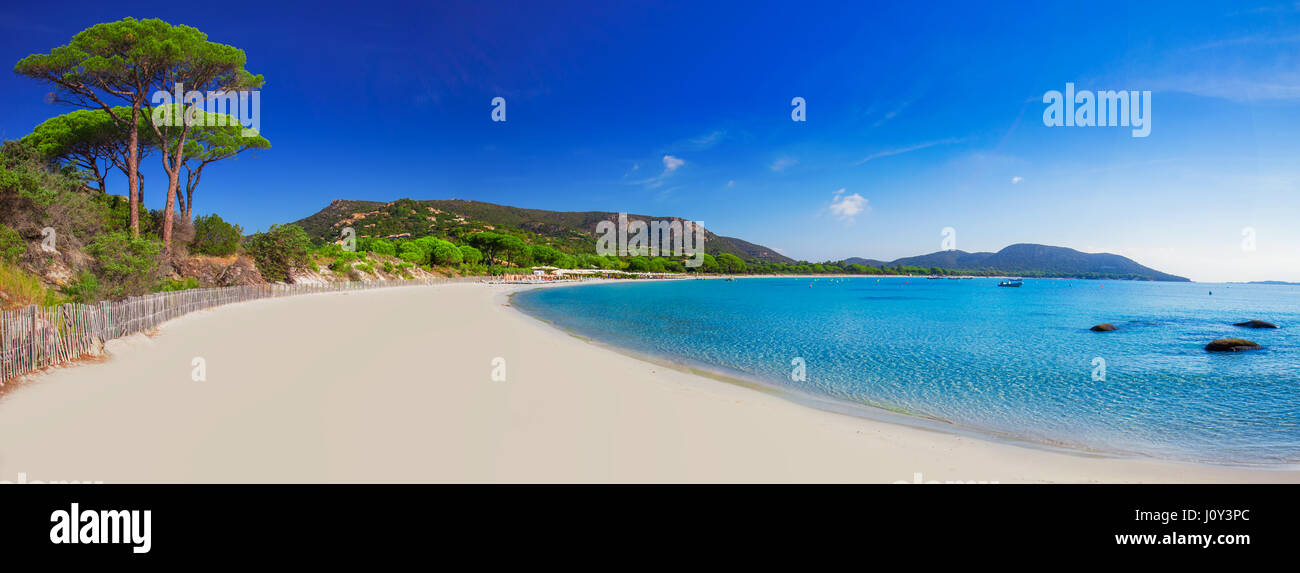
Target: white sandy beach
[{"x": 394, "y": 385}]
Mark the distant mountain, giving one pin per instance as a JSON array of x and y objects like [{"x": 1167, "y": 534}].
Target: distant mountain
[
  {"x": 1033, "y": 260},
  {"x": 866, "y": 262},
  {"x": 572, "y": 231}
]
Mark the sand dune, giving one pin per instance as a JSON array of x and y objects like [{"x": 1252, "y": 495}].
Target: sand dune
[{"x": 395, "y": 385}]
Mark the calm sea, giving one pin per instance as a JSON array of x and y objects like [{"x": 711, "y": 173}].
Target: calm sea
[{"x": 1016, "y": 362}]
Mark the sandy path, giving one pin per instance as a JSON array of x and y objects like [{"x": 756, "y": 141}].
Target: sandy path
[{"x": 395, "y": 385}]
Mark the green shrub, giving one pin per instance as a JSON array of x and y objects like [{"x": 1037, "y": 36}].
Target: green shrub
[
  {"x": 126, "y": 266},
  {"x": 12, "y": 244},
  {"x": 545, "y": 255},
  {"x": 427, "y": 244},
  {"x": 280, "y": 249},
  {"x": 169, "y": 285},
  {"x": 388, "y": 267},
  {"x": 22, "y": 287},
  {"x": 35, "y": 196},
  {"x": 382, "y": 247},
  {"x": 730, "y": 263},
  {"x": 445, "y": 253},
  {"x": 84, "y": 288},
  {"x": 366, "y": 268},
  {"x": 214, "y": 236},
  {"x": 330, "y": 250},
  {"x": 469, "y": 255},
  {"x": 343, "y": 259},
  {"x": 412, "y": 253}
]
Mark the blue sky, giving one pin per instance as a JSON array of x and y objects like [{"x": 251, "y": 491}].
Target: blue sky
[{"x": 919, "y": 117}]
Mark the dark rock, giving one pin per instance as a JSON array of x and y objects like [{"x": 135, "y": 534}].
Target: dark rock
[
  {"x": 1106, "y": 327},
  {"x": 1231, "y": 345},
  {"x": 1255, "y": 324}
]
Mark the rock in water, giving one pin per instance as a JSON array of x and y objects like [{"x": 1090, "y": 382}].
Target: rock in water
[
  {"x": 1106, "y": 327},
  {"x": 1255, "y": 324},
  {"x": 1231, "y": 345}
]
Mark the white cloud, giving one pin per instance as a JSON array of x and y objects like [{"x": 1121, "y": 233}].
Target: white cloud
[
  {"x": 891, "y": 114},
  {"x": 702, "y": 142},
  {"x": 707, "y": 140},
  {"x": 1017, "y": 179},
  {"x": 910, "y": 148},
  {"x": 1265, "y": 85},
  {"x": 848, "y": 206},
  {"x": 671, "y": 164},
  {"x": 782, "y": 163}
]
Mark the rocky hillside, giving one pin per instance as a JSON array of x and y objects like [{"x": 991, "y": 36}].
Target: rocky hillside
[{"x": 571, "y": 231}]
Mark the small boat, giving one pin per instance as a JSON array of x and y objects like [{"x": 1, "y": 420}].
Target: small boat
[{"x": 1012, "y": 283}]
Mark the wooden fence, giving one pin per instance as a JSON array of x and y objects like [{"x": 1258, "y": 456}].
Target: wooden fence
[{"x": 37, "y": 337}]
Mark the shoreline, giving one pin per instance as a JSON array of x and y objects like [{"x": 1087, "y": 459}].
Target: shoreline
[
  {"x": 395, "y": 386},
  {"x": 867, "y": 411}
]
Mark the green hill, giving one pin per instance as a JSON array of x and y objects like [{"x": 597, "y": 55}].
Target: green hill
[
  {"x": 569, "y": 231},
  {"x": 1027, "y": 259}
]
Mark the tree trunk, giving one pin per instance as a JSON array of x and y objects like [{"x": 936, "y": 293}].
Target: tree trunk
[
  {"x": 173, "y": 184},
  {"x": 133, "y": 169},
  {"x": 173, "y": 187},
  {"x": 191, "y": 181},
  {"x": 182, "y": 205}
]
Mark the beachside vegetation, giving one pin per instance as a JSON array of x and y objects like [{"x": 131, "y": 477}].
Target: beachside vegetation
[
  {"x": 126, "y": 61},
  {"x": 214, "y": 236},
  {"x": 281, "y": 249},
  {"x": 62, "y": 225},
  {"x": 19, "y": 288},
  {"x": 128, "y": 264}
]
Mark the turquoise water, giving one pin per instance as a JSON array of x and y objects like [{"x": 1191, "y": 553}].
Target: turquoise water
[{"x": 1012, "y": 361}]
